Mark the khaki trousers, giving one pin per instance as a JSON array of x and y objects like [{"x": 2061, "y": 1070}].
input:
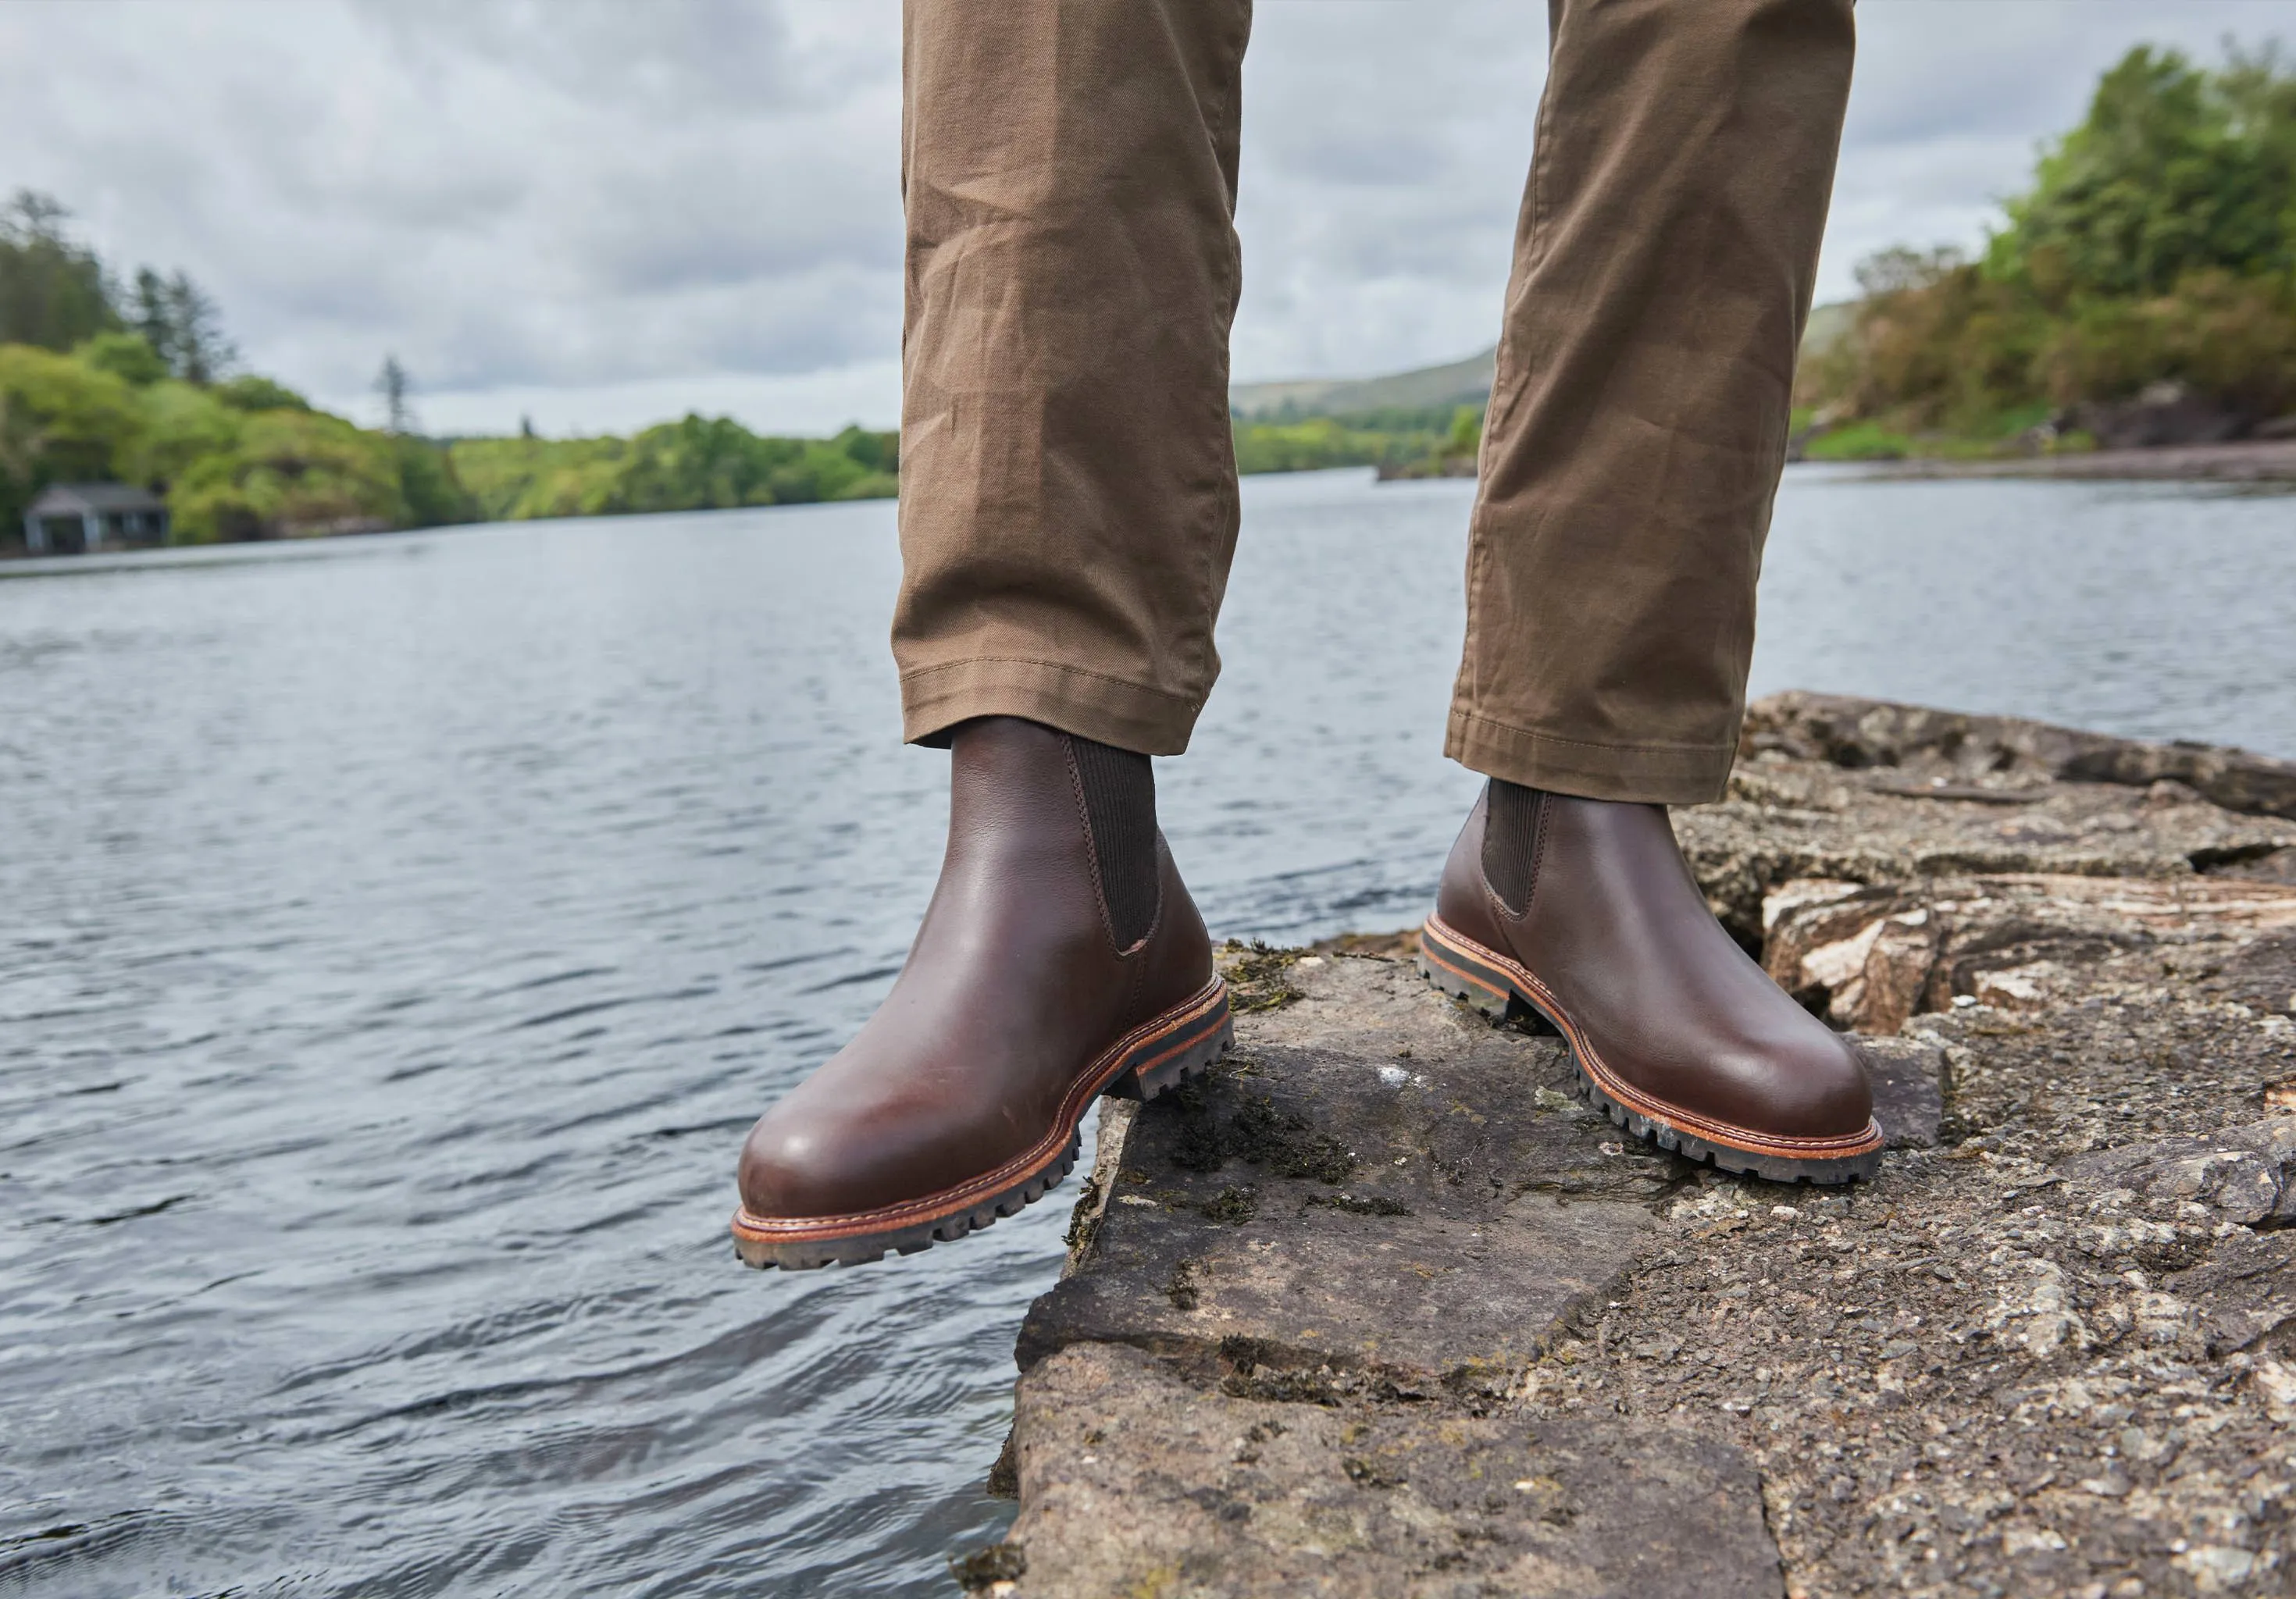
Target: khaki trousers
[{"x": 1068, "y": 480}]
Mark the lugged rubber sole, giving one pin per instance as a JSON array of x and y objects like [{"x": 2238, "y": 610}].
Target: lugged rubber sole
[
  {"x": 1493, "y": 985},
  {"x": 1156, "y": 1056}
]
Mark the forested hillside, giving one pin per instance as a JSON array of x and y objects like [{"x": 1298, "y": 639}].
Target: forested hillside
[
  {"x": 2152, "y": 259},
  {"x": 109, "y": 380}
]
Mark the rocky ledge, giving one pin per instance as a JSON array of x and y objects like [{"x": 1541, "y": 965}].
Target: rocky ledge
[{"x": 1381, "y": 1308}]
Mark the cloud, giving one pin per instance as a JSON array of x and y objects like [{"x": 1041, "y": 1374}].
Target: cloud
[
  {"x": 599, "y": 213},
  {"x": 520, "y": 197},
  {"x": 1350, "y": 272},
  {"x": 1384, "y": 153}
]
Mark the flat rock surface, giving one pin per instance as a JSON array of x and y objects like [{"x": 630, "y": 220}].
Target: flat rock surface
[
  {"x": 1147, "y": 1484},
  {"x": 1377, "y": 1181},
  {"x": 1317, "y": 1307}
]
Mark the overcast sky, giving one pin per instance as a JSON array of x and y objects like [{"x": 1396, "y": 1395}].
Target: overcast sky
[{"x": 603, "y": 213}]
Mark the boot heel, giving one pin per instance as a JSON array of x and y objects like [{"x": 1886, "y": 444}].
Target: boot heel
[
  {"x": 1168, "y": 1058},
  {"x": 1461, "y": 976}
]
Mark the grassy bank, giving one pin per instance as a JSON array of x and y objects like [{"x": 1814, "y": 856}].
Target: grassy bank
[{"x": 2021, "y": 430}]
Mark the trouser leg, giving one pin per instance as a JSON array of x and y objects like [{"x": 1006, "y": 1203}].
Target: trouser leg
[
  {"x": 1067, "y": 477},
  {"x": 1662, "y": 276}
]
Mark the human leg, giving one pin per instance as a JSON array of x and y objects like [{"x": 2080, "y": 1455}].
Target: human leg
[
  {"x": 1663, "y": 267},
  {"x": 1068, "y": 511},
  {"x": 1637, "y": 430},
  {"x": 1068, "y": 505}
]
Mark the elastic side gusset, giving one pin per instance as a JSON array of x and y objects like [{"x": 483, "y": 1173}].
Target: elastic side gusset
[
  {"x": 1120, "y": 801},
  {"x": 1509, "y": 835}
]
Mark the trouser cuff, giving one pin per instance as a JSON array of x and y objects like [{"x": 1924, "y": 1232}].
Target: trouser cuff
[
  {"x": 1088, "y": 704},
  {"x": 1649, "y": 773}
]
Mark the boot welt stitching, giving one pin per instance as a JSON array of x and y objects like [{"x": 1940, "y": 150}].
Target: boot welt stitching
[
  {"x": 1106, "y": 1069},
  {"x": 1743, "y": 1139}
]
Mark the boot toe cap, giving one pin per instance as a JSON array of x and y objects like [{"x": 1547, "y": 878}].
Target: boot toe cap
[
  {"x": 1827, "y": 1095},
  {"x": 807, "y": 1159},
  {"x": 1809, "y": 1085},
  {"x": 796, "y": 1172}
]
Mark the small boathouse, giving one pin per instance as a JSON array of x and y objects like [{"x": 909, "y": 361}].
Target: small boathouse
[{"x": 74, "y": 519}]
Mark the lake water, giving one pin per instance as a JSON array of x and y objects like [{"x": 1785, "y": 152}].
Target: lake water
[{"x": 398, "y": 937}]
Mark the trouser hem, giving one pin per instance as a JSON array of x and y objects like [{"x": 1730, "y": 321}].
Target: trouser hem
[
  {"x": 1647, "y": 773},
  {"x": 1089, "y": 704}
]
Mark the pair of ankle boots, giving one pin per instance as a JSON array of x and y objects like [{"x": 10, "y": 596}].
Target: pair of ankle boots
[{"x": 1061, "y": 959}]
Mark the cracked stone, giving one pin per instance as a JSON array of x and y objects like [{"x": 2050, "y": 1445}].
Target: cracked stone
[{"x": 2049, "y": 1350}]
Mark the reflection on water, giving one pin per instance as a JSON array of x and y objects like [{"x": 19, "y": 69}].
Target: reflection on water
[{"x": 399, "y": 936}]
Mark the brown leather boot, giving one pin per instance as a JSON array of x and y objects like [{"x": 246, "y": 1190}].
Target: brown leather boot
[
  {"x": 1585, "y": 911},
  {"x": 1057, "y": 961}
]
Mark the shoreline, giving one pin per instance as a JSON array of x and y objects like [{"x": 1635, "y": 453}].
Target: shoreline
[
  {"x": 1382, "y": 1308},
  {"x": 2267, "y": 464},
  {"x": 2270, "y": 461}
]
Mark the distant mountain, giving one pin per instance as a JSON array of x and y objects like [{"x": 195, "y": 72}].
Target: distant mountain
[{"x": 1466, "y": 382}]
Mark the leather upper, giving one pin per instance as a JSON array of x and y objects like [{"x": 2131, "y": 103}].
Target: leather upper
[
  {"x": 1617, "y": 928},
  {"x": 1014, "y": 988}
]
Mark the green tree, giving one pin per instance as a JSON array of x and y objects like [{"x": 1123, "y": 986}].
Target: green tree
[
  {"x": 1467, "y": 434},
  {"x": 60, "y": 421},
  {"x": 2157, "y": 242},
  {"x": 396, "y": 388},
  {"x": 250, "y": 392},
  {"x": 183, "y": 425},
  {"x": 52, "y": 292},
  {"x": 428, "y": 484},
  {"x": 2174, "y": 169},
  {"x": 291, "y": 472},
  {"x": 692, "y": 464},
  {"x": 180, "y": 321},
  {"x": 127, "y": 356},
  {"x": 150, "y": 314}
]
